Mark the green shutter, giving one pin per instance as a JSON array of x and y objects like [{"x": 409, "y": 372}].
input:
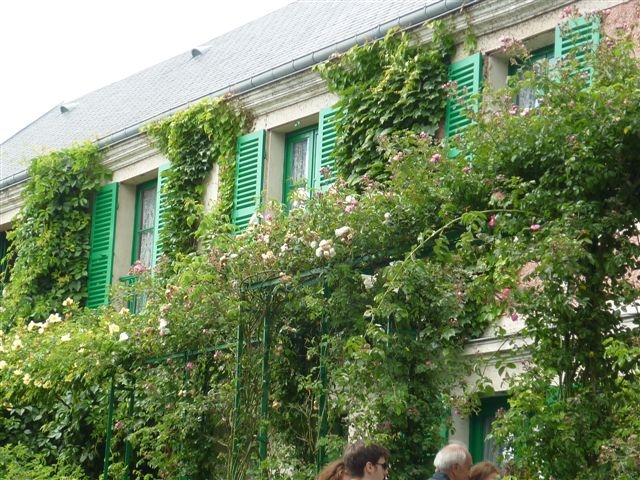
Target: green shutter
[
  {"x": 103, "y": 221},
  {"x": 324, "y": 149},
  {"x": 248, "y": 183},
  {"x": 4, "y": 250},
  {"x": 467, "y": 74},
  {"x": 576, "y": 38},
  {"x": 161, "y": 205}
]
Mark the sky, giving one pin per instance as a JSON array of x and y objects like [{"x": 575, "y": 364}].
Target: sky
[{"x": 55, "y": 51}]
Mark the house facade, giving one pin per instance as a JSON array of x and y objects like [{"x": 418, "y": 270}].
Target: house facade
[{"x": 268, "y": 64}]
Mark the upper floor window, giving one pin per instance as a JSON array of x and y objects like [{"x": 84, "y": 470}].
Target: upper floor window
[
  {"x": 145, "y": 222},
  {"x": 527, "y": 97},
  {"x": 300, "y": 158}
]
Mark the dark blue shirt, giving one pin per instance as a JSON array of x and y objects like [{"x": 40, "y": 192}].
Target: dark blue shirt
[{"x": 439, "y": 476}]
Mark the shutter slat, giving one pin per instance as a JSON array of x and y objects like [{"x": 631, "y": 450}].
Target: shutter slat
[
  {"x": 103, "y": 220},
  {"x": 248, "y": 179},
  {"x": 467, "y": 73}
]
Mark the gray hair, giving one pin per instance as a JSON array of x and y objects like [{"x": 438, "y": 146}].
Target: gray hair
[{"x": 447, "y": 457}]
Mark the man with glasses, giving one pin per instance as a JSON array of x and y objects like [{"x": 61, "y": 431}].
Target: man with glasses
[
  {"x": 366, "y": 461},
  {"x": 452, "y": 462}
]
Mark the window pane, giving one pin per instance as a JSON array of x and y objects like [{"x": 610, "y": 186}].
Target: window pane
[
  {"x": 490, "y": 450},
  {"x": 145, "y": 252},
  {"x": 148, "y": 208},
  {"x": 299, "y": 160},
  {"x": 527, "y": 98}
]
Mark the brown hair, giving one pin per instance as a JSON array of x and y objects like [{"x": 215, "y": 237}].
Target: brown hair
[
  {"x": 480, "y": 471},
  {"x": 333, "y": 471},
  {"x": 358, "y": 454}
]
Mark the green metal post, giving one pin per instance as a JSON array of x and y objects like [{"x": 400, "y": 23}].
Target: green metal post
[
  {"x": 127, "y": 446},
  {"x": 323, "y": 425},
  {"x": 238, "y": 398},
  {"x": 107, "y": 447},
  {"x": 264, "y": 404}
]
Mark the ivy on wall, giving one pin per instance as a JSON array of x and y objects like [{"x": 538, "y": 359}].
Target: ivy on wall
[
  {"x": 384, "y": 87},
  {"x": 194, "y": 140},
  {"x": 54, "y": 218}
]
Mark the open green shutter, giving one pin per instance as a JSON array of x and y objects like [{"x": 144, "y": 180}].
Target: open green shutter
[
  {"x": 576, "y": 38},
  {"x": 161, "y": 204},
  {"x": 4, "y": 250},
  {"x": 103, "y": 221},
  {"x": 467, "y": 73},
  {"x": 324, "y": 149},
  {"x": 248, "y": 182}
]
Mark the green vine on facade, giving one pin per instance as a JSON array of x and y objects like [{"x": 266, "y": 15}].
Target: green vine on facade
[
  {"x": 54, "y": 218},
  {"x": 194, "y": 140},
  {"x": 384, "y": 87}
]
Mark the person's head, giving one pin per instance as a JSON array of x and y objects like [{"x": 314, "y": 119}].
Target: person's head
[
  {"x": 367, "y": 461},
  {"x": 454, "y": 460},
  {"x": 484, "y": 471},
  {"x": 333, "y": 471}
]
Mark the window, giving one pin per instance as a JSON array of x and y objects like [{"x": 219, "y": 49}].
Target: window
[
  {"x": 300, "y": 148},
  {"x": 148, "y": 224},
  {"x": 574, "y": 39},
  {"x": 144, "y": 227},
  {"x": 527, "y": 97},
  {"x": 308, "y": 161},
  {"x": 143, "y": 224}
]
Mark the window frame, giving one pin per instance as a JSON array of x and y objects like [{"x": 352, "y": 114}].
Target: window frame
[
  {"x": 137, "y": 230},
  {"x": 489, "y": 406},
  {"x": 311, "y": 134},
  {"x": 547, "y": 53}
]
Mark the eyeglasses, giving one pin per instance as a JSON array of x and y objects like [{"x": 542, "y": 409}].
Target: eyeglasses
[{"x": 385, "y": 466}]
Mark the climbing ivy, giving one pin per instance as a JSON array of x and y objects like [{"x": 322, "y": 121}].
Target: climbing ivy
[
  {"x": 54, "y": 218},
  {"x": 194, "y": 140},
  {"x": 386, "y": 86}
]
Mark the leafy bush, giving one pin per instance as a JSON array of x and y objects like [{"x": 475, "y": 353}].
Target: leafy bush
[{"x": 17, "y": 462}]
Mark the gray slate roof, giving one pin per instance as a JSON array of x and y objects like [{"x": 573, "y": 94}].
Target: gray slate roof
[{"x": 292, "y": 32}]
